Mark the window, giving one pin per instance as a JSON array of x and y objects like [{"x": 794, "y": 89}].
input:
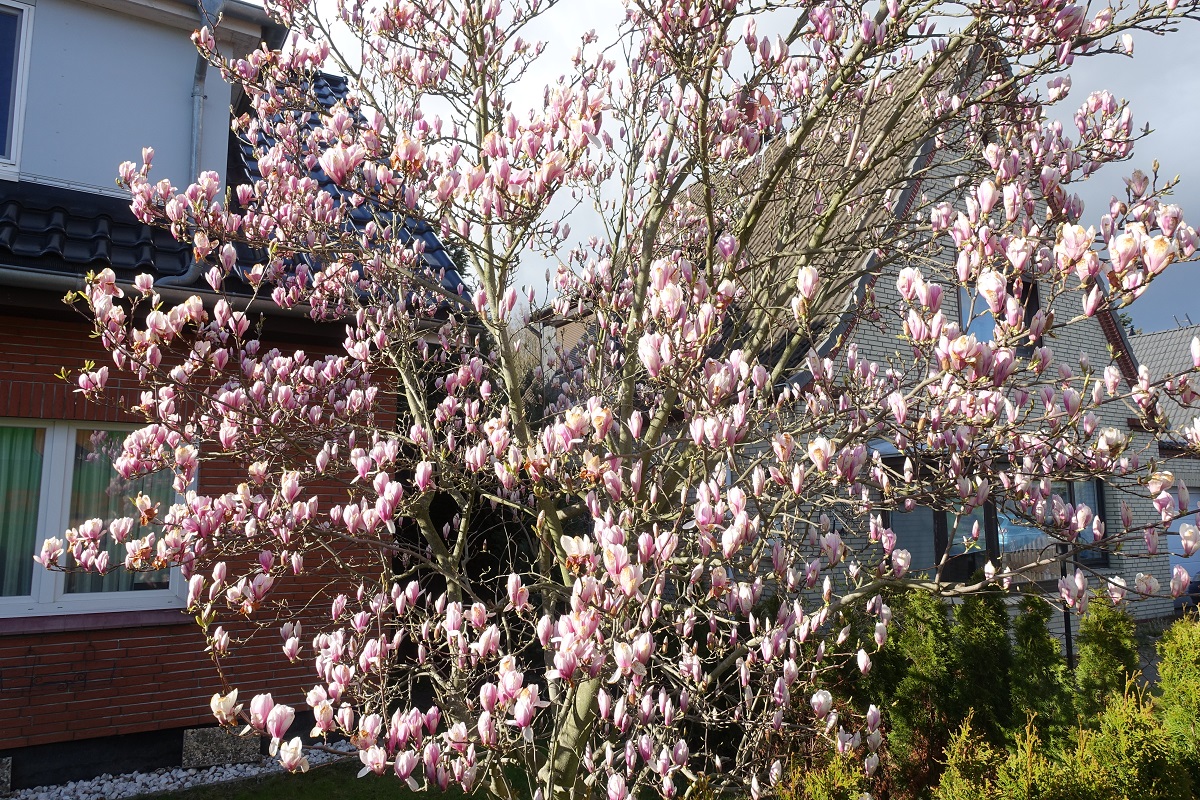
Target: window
[
  {"x": 54, "y": 476},
  {"x": 16, "y": 25},
  {"x": 1002, "y": 536},
  {"x": 1091, "y": 494},
  {"x": 1174, "y": 546},
  {"x": 975, "y": 317}
]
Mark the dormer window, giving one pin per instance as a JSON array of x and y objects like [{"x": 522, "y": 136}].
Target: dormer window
[
  {"x": 15, "y": 26},
  {"x": 977, "y": 319}
]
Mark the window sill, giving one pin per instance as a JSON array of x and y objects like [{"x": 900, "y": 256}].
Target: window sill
[{"x": 63, "y": 623}]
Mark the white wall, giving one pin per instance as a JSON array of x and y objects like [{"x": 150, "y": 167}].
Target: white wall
[{"x": 103, "y": 84}]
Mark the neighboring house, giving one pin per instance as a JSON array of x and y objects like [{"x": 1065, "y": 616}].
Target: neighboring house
[
  {"x": 1168, "y": 353},
  {"x": 104, "y": 674},
  {"x": 852, "y": 318},
  {"x": 856, "y": 313}
]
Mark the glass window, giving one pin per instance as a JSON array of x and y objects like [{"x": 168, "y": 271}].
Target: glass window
[
  {"x": 1175, "y": 547},
  {"x": 10, "y": 40},
  {"x": 58, "y": 475},
  {"x": 1085, "y": 493},
  {"x": 97, "y": 491},
  {"x": 1014, "y": 534},
  {"x": 963, "y": 536},
  {"x": 914, "y": 533},
  {"x": 974, "y": 316},
  {"x": 21, "y": 456}
]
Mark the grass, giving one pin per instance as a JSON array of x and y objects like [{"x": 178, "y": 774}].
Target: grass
[{"x": 332, "y": 781}]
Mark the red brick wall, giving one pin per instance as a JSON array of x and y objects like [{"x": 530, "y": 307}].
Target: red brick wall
[{"x": 84, "y": 676}]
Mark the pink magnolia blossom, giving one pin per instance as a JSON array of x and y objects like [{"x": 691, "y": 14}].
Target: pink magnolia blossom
[{"x": 696, "y": 420}]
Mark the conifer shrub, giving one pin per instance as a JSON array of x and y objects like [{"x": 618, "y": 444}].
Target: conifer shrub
[
  {"x": 1042, "y": 685},
  {"x": 1179, "y": 690},
  {"x": 1108, "y": 656},
  {"x": 982, "y": 662}
]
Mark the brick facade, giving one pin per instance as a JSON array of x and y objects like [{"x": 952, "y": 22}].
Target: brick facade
[{"x": 80, "y": 676}]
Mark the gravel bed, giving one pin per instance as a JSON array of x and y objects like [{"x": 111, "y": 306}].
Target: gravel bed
[{"x": 136, "y": 784}]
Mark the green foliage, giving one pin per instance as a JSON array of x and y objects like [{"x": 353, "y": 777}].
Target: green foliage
[
  {"x": 1143, "y": 762},
  {"x": 914, "y": 675},
  {"x": 1108, "y": 656},
  {"x": 841, "y": 777},
  {"x": 936, "y": 672},
  {"x": 1128, "y": 754},
  {"x": 1042, "y": 686},
  {"x": 1179, "y": 684},
  {"x": 1034, "y": 772},
  {"x": 970, "y": 765},
  {"x": 1179, "y": 679},
  {"x": 970, "y": 715},
  {"x": 982, "y": 662}
]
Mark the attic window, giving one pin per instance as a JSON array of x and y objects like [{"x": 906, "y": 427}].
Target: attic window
[
  {"x": 16, "y": 23},
  {"x": 975, "y": 318}
]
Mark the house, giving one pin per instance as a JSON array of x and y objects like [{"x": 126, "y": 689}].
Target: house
[
  {"x": 1168, "y": 353},
  {"x": 106, "y": 674},
  {"x": 98, "y": 674},
  {"x": 854, "y": 311},
  {"x": 905, "y": 194}
]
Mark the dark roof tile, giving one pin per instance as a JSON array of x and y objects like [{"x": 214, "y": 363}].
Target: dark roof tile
[
  {"x": 56, "y": 230},
  {"x": 1168, "y": 353},
  {"x": 51, "y": 229}
]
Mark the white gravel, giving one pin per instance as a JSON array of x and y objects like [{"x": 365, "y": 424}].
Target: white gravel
[{"x": 136, "y": 784}]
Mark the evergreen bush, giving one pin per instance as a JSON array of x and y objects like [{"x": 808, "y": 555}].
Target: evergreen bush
[{"x": 1108, "y": 656}]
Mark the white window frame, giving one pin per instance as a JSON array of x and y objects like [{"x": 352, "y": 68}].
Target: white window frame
[
  {"x": 48, "y": 595},
  {"x": 10, "y": 167}
]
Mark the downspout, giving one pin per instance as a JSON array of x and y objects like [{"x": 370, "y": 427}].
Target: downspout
[{"x": 210, "y": 10}]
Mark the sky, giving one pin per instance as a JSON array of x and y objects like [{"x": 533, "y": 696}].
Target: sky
[{"x": 1161, "y": 81}]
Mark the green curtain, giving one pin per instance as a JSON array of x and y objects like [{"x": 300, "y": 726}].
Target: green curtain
[
  {"x": 98, "y": 491},
  {"x": 20, "y": 488}
]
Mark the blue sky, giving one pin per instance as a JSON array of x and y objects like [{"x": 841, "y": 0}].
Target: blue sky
[{"x": 1162, "y": 83}]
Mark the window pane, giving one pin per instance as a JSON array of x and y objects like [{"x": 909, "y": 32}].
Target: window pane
[
  {"x": 1085, "y": 494},
  {"x": 1174, "y": 546},
  {"x": 1023, "y": 545},
  {"x": 10, "y": 29},
  {"x": 21, "y": 452},
  {"x": 914, "y": 533},
  {"x": 1014, "y": 534},
  {"x": 974, "y": 315},
  {"x": 98, "y": 491},
  {"x": 966, "y": 525}
]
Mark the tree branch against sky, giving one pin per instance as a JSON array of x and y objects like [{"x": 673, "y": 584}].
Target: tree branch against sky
[{"x": 680, "y": 496}]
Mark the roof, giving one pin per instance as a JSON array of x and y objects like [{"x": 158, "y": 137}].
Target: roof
[
  {"x": 854, "y": 250},
  {"x": 794, "y": 228},
  {"x": 329, "y": 90},
  {"x": 47, "y": 230},
  {"x": 788, "y": 231},
  {"x": 1166, "y": 353}
]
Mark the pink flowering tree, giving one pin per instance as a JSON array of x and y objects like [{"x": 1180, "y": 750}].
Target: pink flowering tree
[{"x": 691, "y": 492}]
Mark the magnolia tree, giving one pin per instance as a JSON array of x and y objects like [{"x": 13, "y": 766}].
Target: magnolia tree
[{"x": 669, "y": 599}]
